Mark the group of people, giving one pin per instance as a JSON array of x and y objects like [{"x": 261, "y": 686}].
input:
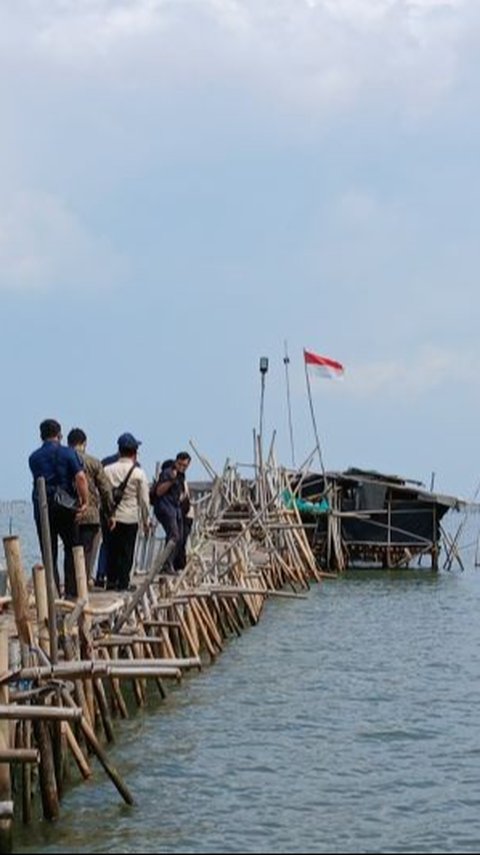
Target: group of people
[{"x": 91, "y": 501}]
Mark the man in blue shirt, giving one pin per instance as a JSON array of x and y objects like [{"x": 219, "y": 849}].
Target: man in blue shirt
[{"x": 62, "y": 468}]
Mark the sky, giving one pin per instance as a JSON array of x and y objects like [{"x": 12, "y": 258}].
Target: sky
[{"x": 186, "y": 184}]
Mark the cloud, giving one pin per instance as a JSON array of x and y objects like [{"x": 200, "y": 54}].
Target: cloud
[
  {"x": 429, "y": 369},
  {"x": 310, "y": 53},
  {"x": 44, "y": 245}
]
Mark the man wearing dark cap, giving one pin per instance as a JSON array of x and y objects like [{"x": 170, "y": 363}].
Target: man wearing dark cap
[
  {"x": 130, "y": 494},
  {"x": 65, "y": 483}
]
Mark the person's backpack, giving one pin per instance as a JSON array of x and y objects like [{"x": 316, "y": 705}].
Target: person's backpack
[{"x": 152, "y": 492}]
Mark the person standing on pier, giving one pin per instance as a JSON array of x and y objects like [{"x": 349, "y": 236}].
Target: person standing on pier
[
  {"x": 99, "y": 499},
  {"x": 130, "y": 496},
  {"x": 167, "y": 501},
  {"x": 67, "y": 497}
]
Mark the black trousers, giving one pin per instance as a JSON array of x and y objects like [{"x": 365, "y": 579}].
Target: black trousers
[
  {"x": 88, "y": 537},
  {"x": 62, "y": 525},
  {"x": 171, "y": 519},
  {"x": 180, "y": 560},
  {"x": 120, "y": 550}
]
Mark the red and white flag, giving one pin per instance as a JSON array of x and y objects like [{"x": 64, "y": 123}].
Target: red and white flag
[{"x": 322, "y": 366}]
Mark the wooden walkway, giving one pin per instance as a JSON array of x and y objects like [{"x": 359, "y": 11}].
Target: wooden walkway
[{"x": 64, "y": 683}]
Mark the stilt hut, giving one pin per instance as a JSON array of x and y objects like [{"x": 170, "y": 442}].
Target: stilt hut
[{"x": 364, "y": 517}]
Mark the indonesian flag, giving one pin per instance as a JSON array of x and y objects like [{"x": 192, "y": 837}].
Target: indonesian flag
[{"x": 322, "y": 366}]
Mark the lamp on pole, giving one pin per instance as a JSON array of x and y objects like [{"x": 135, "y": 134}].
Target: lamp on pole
[{"x": 263, "y": 373}]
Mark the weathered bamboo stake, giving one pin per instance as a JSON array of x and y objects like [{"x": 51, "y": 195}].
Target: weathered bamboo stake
[
  {"x": 100, "y": 753},
  {"x": 15, "y": 712},
  {"x": 192, "y": 643},
  {"x": 222, "y": 624},
  {"x": 169, "y": 663},
  {"x": 250, "y": 605},
  {"x": 243, "y": 618},
  {"x": 137, "y": 686},
  {"x": 91, "y": 611},
  {"x": 25, "y": 633},
  {"x": 115, "y": 683},
  {"x": 126, "y": 640},
  {"x": 167, "y": 643},
  {"x": 63, "y": 671},
  {"x": 230, "y": 617},
  {"x": 296, "y": 561},
  {"x": 41, "y": 601},
  {"x": 192, "y": 626},
  {"x": 5, "y": 777},
  {"x": 203, "y": 606},
  {"x": 26, "y": 740},
  {"x": 83, "y": 594},
  {"x": 203, "y": 631},
  {"x": 239, "y": 570},
  {"x": 158, "y": 680},
  {"x": 83, "y": 766},
  {"x": 130, "y": 607},
  {"x": 19, "y": 591},
  {"x": 170, "y": 624},
  {"x": 174, "y": 633},
  {"x": 305, "y": 549},
  {"x": 19, "y": 755},
  {"x": 49, "y": 568},
  {"x": 105, "y": 718},
  {"x": 48, "y": 783},
  {"x": 79, "y": 686},
  {"x": 141, "y": 672}
]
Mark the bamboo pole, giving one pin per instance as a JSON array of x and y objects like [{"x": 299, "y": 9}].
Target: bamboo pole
[
  {"x": 19, "y": 755},
  {"x": 101, "y": 754},
  {"x": 48, "y": 783},
  {"x": 15, "y": 712},
  {"x": 41, "y": 600},
  {"x": 5, "y": 779},
  {"x": 26, "y": 741},
  {"x": 49, "y": 568},
  {"x": 83, "y": 766},
  {"x": 19, "y": 590}
]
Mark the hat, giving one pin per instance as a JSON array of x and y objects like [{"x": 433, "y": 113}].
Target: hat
[{"x": 127, "y": 440}]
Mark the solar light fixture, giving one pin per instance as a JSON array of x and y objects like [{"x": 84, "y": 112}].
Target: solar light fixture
[{"x": 263, "y": 364}]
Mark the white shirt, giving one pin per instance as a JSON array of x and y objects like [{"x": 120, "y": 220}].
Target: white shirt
[{"x": 135, "y": 506}]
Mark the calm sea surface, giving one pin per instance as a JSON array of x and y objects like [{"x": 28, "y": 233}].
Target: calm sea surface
[{"x": 345, "y": 722}]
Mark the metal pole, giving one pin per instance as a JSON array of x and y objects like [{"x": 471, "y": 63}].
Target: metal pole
[
  {"x": 262, "y": 403},
  {"x": 263, "y": 373},
  {"x": 286, "y": 362},
  {"x": 48, "y": 562},
  {"x": 312, "y": 413}
]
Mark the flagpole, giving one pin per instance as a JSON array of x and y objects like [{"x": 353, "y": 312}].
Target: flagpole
[
  {"x": 312, "y": 412},
  {"x": 286, "y": 362}
]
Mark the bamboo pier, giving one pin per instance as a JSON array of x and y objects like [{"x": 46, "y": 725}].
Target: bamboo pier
[{"x": 70, "y": 671}]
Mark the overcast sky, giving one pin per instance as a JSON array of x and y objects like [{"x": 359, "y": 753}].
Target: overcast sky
[{"x": 187, "y": 183}]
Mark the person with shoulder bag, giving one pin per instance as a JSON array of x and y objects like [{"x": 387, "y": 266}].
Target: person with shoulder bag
[
  {"x": 129, "y": 485},
  {"x": 67, "y": 497}
]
